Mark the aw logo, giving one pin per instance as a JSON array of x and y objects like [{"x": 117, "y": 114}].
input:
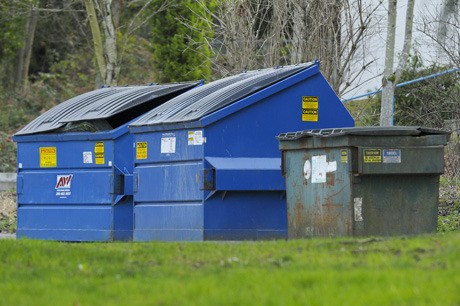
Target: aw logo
[
  {"x": 63, "y": 181},
  {"x": 63, "y": 185}
]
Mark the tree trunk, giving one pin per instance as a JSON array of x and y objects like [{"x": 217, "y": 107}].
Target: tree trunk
[
  {"x": 97, "y": 38},
  {"x": 298, "y": 40},
  {"x": 111, "y": 77},
  {"x": 387, "y": 109},
  {"x": 407, "y": 38},
  {"x": 389, "y": 78},
  {"x": 25, "y": 53}
]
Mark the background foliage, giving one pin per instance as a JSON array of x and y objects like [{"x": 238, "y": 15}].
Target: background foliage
[{"x": 168, "y": 41}]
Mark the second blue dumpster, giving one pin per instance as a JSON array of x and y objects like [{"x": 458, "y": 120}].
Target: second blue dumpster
[
  {"x": 207, "y": 165},
  {"x": 75, "y": 165}
]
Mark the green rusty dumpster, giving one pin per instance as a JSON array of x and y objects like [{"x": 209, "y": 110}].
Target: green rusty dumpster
[{"x": 364, "y": 181}]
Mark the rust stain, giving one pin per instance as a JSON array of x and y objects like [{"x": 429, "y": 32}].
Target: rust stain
[
  {"x": 328, "y": 220},
  {"x": 297, "y": 220},
  {"x": 330, "y": 179}
]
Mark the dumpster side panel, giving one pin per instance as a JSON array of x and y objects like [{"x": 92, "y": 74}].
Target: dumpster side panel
[
  {"x": 251, "y": 131},
  {"x": 122, "y": 155},
  {"x": 168, "y": 185},
  {"x": 168, "y": 146},
  {"x": 66, "y": 189},
  {"x": 170, "y": 182},
  {"x": 65, "y": 223},
  {"x": 318, "y": 192},
  {"x": 123, "y": 219},
  {"x": 397, "y": 204},
  {"x": 168, "y": 221},
  {"x": 245, "y": 215},
  {"x": 65, "y": 154}
]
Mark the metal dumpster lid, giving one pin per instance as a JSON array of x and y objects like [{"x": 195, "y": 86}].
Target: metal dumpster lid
[
  {"x": 363, "y": 131},
  {"x": 100, "y": 104},
  {"x": 213, "y": 96}
]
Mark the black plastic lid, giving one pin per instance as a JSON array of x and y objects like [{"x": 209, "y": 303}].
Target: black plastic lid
[
  {"x": 100, "y": 104},
  {"x": 213, "y": 96},
  {"x": 364, "y": 131}
]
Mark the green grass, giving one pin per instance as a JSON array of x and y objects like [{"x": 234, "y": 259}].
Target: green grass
[{"x": 347, "y": 271}]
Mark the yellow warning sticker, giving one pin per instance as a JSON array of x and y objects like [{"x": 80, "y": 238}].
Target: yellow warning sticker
[
  {"x": 141, "y": 150},
  {"x": 372, "y": 155},
  {"x": 344, "y": 156},
  {"x": 310, "y": 109},
  {"x": 48, "y": 157},
  {"x": 99, "y": 153}
]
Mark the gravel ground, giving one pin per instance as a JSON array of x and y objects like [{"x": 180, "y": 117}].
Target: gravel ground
[
  {"x": 7, "y": 213},
  {"x": 7, "y": 236}
]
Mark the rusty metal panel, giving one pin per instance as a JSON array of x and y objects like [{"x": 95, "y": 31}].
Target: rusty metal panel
[
  {"x": 395, "y": 205},
  {"x": 365, "y": 182},
  {"x": 318, "y": 189},
  {"x": 400, "y": 160}
]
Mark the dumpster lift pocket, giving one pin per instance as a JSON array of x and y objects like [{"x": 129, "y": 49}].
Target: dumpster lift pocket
[
  {"x": 121, "y": 184},
  {"x": 243, "y": 174}
]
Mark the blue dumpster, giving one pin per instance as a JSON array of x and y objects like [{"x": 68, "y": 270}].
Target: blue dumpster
[
  {"x": 206, "y": 163},
  {"x": 75, "y": 165}
]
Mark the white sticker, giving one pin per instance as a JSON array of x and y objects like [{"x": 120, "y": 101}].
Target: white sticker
[
  {"x": 87, "y": 157},
  {"x": 320, "y": 167},
  {"x": 307, "y": 169},
  {"x": 168, "y": 145},
  {"x": 358, "y": 205},
  {"x": 195, "y": 138},
  {"x": 63, "y": 185}
]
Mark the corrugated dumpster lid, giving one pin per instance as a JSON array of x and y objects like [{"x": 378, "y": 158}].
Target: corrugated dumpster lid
[
  {"x": 363, "y": 131},
  {"x": 213, "y": 96},
  {"x": 100, "y": 104}
]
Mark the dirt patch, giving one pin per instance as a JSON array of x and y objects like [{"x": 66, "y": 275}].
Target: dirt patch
[{"x": 7, "y": 212}]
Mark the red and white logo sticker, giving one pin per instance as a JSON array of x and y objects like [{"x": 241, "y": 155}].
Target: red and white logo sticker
[{"x": 63, "y": 181}]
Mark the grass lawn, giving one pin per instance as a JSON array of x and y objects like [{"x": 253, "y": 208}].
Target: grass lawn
[{"x": 421, "y": 270}]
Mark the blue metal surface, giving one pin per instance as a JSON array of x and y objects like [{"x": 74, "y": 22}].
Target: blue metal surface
[
  {"x": 218, "y": 176},
  {"x": 218, "y": 94},
  {"x": 78, "y": 186},
  {"x": 245, "y": 215},
  {"x": 95, "y": 206},
  {"x": 245, "y": 173}
]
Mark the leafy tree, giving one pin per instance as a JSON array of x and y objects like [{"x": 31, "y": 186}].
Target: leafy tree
[
  {"x": 13, "y": 18},
  {"x": 430, "y": 102},
  {"x": 179, "y": 49}
]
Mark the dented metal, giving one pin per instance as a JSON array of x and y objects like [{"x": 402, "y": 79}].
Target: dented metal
[{"x": 362, "y": 181}]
